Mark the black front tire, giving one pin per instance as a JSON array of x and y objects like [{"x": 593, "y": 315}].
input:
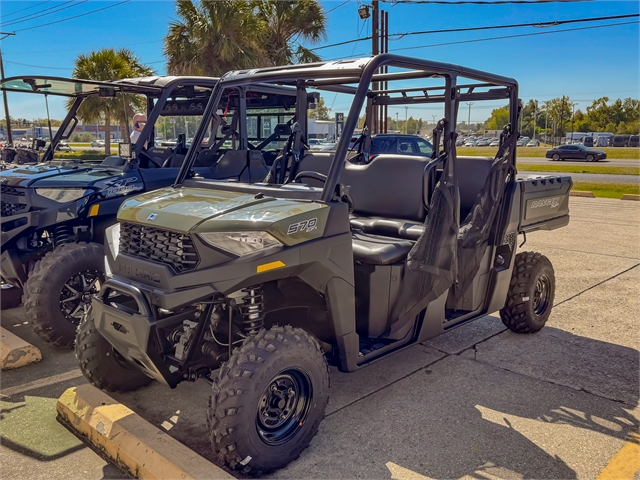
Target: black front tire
[
  {"x": 268, "y": 400},
  {"x": 10, "y": 297},
  {"x": 49, "y": 299},
  {"x": 102, "y": 365},
  {"x": 556, "y": 157},
  {"x": 531, "y": 293}
]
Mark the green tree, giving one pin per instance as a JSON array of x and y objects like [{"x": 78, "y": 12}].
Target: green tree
[
  {"x": 213, "y": 37},
  {"x": 108, "y": 64},
  {"x": 321, "y": 112},
  {"x": 498, "y": 119},
  {"x": 286, "y": 23}
]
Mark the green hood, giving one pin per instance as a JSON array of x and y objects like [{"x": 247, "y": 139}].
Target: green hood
[{"x": 193, "y": 210}]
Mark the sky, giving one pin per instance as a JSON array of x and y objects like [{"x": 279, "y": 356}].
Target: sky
[{"x": 584, "y": 64}]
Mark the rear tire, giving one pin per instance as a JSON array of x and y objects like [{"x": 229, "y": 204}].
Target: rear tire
[
  {"x": 102, "y": 365},
  {"x": 531, "y": 293},
  {"x": 10, "y": 297},
  {"x": 59, "y": 290},
  {"x": 268, "y": 400},
  {"x": 590, "y": 158}
]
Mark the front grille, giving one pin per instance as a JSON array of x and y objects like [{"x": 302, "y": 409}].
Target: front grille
[
  {"x": 12, "y": 206},
  {"x": 162, "y": 246},
  {"x": 7, "y": 209},
  {"x": 8, "y": 190}
]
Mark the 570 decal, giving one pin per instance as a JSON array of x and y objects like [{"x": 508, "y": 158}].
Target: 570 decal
[{"x": 303, "y": 226}]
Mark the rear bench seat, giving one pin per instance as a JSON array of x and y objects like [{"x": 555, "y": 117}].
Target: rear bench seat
[{"x": 390, "y": 197}]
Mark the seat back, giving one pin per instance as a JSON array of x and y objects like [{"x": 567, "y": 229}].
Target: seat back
[
  {"x": 231, "y": 165},
  {"x": 391, "y": 186},
  {"x": 472, "y": 173},
  {"x": 256, "y": 169}
]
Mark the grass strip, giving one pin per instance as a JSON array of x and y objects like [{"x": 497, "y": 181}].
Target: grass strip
[
  {"x": 529, "y": 167},
  {"x": 607, "y": 189}
]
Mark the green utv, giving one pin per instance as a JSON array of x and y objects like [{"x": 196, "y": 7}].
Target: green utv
[
  {"x": 336, "y": 258},
  {"x": 54, "y": 214}
]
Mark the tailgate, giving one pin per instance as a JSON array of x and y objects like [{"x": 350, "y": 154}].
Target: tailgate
[{"x": 544, "y": 202}]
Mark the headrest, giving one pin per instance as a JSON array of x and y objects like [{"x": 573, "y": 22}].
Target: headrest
[{"x": 282, "y": 129}]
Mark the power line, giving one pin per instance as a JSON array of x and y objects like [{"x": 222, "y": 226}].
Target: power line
[
  {"x": 37, "y": 15},
  {"x": 38, "y": 66},
  {"x": 339, "y": 6},
  {"x": 74, "y": 17},
  {"x": 27, "y": 8},
  {"x": 489, "y": 38},
  {"x": 516, "y": 36},
  {"x": 76, "y": 49},
  {"x": 480, "y": 2},
  {"x": 488, "y": 27}
]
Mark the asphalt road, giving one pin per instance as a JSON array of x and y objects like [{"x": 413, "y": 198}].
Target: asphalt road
[
  {"x": 609, "y": 162},
  {"x": 476, "y": 402}
]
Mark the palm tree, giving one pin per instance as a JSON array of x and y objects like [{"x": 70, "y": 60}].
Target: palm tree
[
  {"x": 108, "y": 65},
  {"x": 286, "y": 23},
  {"x": 213, "y": 37}
]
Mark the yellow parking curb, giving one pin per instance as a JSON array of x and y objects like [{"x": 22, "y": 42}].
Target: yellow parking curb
[
  {"x": 581, "y": 193},
  {"x": 16, "y": 352},
  {"x": 132, "y": 443},
  {"x": 630, "y": 196}
]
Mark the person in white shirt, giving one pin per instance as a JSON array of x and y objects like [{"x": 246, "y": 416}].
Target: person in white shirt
[{"x": 139, "y": 121}]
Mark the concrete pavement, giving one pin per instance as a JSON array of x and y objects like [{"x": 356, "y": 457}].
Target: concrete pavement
[{"x": 477, "y": 402}]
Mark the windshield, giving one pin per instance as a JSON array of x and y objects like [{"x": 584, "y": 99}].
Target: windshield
[{"x": 68, "y": 87}]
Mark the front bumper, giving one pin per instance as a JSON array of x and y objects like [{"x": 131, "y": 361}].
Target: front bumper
[
  {"x": 11, "y": 269},
  {"x": 14, "y": 225},
  {"x": 134, "y": 333}
]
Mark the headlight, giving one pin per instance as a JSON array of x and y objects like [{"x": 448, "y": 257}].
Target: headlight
[
  {"x": 62, "y": 195},
  {"x": 112, "y": 237},
  {"x": 241, "y": 243}
]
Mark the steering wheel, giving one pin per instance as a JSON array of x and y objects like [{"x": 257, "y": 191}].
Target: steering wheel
[{"x": 312, "y": 175}]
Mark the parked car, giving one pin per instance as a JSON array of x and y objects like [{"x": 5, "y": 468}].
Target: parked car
[
  {"x": 621, "y": 140},
  {"x": 470, "y": 143},
  {"x": 634, "y": 140},
  {"x": 533, "y": 143},
  {"x": 97, "y": 143},
  {"x": 482, "y": 143},
  {"x": 576, "y": 152},
  {"x": 394, "y": 143},
  {"x": 495, "y": 142}
]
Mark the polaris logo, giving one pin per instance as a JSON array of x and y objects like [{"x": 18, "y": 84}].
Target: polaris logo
[
  {"x": 152, "y": 217},
  {"x": 552, "y": 202},
  {"x": 138, "y": 272}
]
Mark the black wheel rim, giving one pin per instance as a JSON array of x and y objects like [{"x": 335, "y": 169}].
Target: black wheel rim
[
  {"x": 541, "y": 295},
  {"x": 284, "y": 406},
  {"x": 76, "y": 294}
]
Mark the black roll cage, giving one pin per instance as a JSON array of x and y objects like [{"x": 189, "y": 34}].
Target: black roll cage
[
  {"x": 156, "y": 95},
  {"x": 336, "y": 76}
]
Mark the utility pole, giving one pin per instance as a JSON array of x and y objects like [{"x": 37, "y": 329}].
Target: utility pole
[
  {"x": 535, "y": 113},
  {"x": 561, "y": 120},
  {"x": 397, "y": 121},
  {"x": 573, "y": 114},
  {"x": 469, "y": 117},
  {"x": 4, "y": 93},
  {"x": 546, "y": 117}
]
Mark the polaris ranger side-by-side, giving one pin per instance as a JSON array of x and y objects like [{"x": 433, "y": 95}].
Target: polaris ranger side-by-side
[
  {"x": 335, "y": 257},
  {"x": 54, "y": 214}
]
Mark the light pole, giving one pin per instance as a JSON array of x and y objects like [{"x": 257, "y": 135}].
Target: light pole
[
  {"x": 397, "y": 121},
  {"x": 535, "y": 113},
  {"x": 469, "y": 117},
  {"x": 406, "y": 119},
  {"x": 546, "y": 117}
]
